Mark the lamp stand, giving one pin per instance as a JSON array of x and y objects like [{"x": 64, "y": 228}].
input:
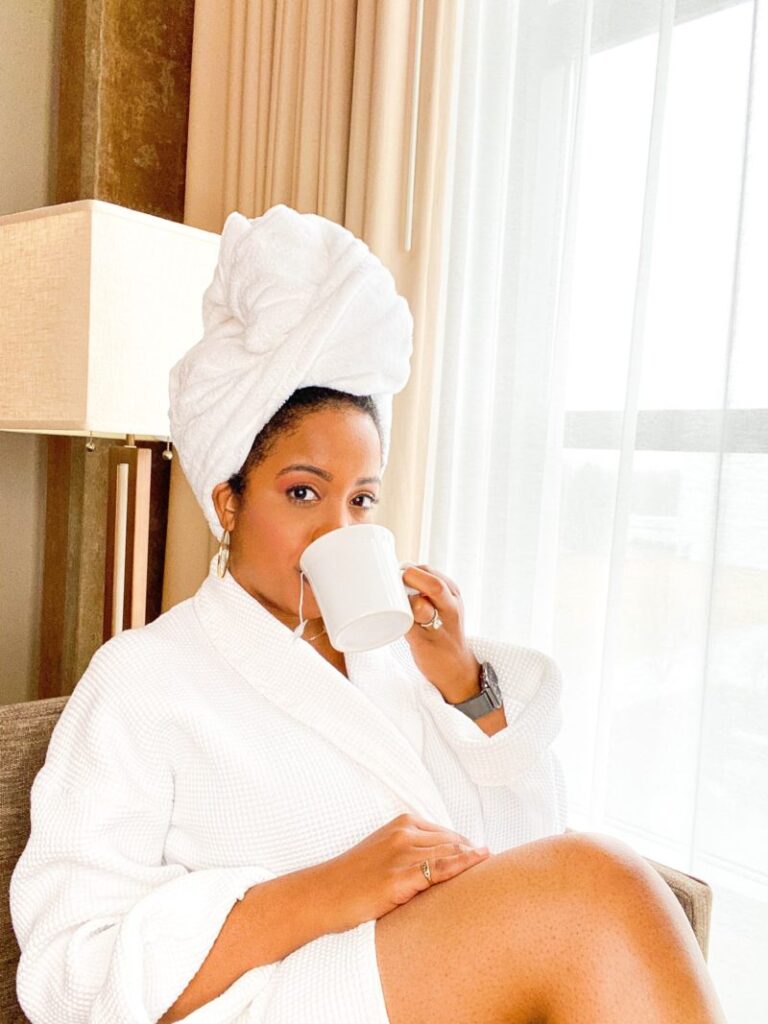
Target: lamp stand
[{"x": 125, "y": 586}]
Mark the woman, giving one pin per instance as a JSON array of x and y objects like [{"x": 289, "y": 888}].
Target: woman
[{"x": 238, "y": 823}]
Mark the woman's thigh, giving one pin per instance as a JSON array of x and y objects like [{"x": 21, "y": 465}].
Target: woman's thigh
[{"x": 489, "y": 944}]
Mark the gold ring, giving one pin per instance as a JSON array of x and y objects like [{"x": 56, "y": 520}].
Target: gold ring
[{"x": 425, "y": 871}]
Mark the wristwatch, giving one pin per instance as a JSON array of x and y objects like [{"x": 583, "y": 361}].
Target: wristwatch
[{"x": 489, "y": 698}]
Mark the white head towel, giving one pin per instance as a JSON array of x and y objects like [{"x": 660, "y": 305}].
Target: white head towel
[{"x": 296, "y": 301}]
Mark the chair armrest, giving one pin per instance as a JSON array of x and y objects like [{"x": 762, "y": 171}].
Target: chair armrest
[{"x": 694, "y": 896}]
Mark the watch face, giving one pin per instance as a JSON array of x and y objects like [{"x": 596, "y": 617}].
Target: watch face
[{"x": 491, "y": 680}]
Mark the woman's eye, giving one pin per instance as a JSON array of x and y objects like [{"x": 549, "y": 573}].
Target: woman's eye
[
  {"x": 369, "y": 498},
  {"x": 303, "y": 494},
  {"x": 299, "y": 492}
]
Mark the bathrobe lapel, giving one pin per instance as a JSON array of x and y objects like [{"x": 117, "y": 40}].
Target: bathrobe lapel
[{"x": 291, "y": 674}]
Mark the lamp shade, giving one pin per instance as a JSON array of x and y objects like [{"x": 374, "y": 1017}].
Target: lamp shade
[{"x": 97, "y": 302}]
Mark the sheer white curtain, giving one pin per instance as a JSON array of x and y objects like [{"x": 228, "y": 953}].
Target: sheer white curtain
[{"x": 599, "y": 460}]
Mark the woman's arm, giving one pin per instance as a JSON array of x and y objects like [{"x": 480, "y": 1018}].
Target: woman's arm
[
  {"x": 273, "y": 919},
  {"x": 516, "y": 774}
]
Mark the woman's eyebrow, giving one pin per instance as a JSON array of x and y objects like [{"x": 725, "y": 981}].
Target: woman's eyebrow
[{"x": 324, "y": 474}]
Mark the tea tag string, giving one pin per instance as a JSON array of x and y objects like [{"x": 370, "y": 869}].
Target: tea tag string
[{"x": 299, "y": 630}]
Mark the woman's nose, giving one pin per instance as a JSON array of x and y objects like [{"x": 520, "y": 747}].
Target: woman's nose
[{"x": 334, "y": 520}]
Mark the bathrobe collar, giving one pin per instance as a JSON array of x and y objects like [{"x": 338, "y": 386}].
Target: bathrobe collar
[{"x": 289, "y": 672}]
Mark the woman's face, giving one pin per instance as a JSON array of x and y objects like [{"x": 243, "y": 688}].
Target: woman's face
[{"x": 323, "y": 474}]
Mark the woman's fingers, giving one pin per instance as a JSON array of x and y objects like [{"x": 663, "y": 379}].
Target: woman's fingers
[
  {"x": 424, "y": 610},
  {"x": 436, "y": 836},
  {"x": 448, "y": 864},
  {"x": 448, "y": 852},
  {"x": 422, "y": 832},
  {"x": 452, "y": 586},
  {"x": 442, "y": 851},
  {"x": 442, "y": 843},
  {"x": 434, "y": 593},
  {"x": 427, "y": 582}
]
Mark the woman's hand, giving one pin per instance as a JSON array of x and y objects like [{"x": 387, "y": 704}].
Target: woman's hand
[
  {"x": 383, "y": 871},
  {"x": 442, "y": 655}
]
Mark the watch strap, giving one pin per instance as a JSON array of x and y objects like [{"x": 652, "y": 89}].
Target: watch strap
[
  {"x": 489, "y": 698},
  {"x": 476, "y": 706}
]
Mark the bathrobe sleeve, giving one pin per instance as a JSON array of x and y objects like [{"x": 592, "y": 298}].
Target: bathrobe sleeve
[
  {"x": 516, "y": 772},
  {"x": 108, "y": 932}
]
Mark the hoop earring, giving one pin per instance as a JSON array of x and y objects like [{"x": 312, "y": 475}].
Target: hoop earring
[{"x": 223, "y": 558}]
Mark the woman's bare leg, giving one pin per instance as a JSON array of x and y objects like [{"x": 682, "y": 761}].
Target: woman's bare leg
[{"x": 571, "y": 929}]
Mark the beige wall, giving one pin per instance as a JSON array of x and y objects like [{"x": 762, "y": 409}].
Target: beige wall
[
  {"x": 28, "y": 75},
  {"x": 28, "y": 44},
  {"x": 22, "y": 518}
]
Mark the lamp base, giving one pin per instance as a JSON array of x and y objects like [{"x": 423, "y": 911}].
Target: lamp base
[{"x": 128, "y": 511}]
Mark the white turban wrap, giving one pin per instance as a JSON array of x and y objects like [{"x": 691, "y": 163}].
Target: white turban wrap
[{"x": 296, "y": 301}]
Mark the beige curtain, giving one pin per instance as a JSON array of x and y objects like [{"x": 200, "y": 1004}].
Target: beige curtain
[{"x": 337, "y": 107}]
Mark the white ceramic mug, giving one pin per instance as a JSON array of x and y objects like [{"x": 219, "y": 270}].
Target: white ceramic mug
[{"x": 357, "y": 582}]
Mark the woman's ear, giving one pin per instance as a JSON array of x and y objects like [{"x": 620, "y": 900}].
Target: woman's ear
[{"x": 226, "y": 503}]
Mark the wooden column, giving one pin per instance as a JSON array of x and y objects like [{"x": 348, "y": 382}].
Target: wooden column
[
  {"x": 73, "y": 577},
  {"x": 124, "y": 103},
  {"x": 122, "y": 137}
]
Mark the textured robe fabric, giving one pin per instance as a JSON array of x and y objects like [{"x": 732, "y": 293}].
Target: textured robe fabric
[{"x": 211, "y": 750}]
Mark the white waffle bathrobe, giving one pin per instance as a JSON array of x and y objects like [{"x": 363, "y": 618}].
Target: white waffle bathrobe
[{"x": 210, "y": 751}]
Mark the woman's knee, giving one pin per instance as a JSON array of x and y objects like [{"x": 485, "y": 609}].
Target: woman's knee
[
  {"x": 613, "y": 925},
  {"x": 592, "y": 860},
  {"x": 594, "y": 878},
  {"x": 540, "y": 912}
]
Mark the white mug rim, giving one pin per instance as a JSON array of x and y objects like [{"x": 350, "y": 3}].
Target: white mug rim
[
  {"x": 361, "y": 619},
  {"x": 378, "y": 527}
]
